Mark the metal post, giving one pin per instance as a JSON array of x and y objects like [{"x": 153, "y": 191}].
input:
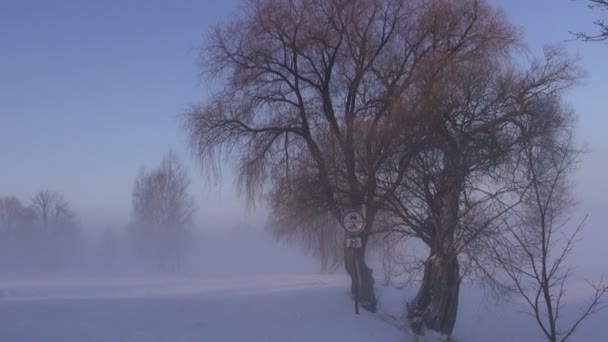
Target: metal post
[
  {"x": 357, "y": 279},
  {"x": 353, "y": 222}
]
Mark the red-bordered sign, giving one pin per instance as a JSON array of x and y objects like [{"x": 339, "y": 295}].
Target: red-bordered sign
[{"x": 353, "y": 221}]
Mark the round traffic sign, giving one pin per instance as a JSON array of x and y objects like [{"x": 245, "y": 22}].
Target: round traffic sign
[{"x": 353, "y": 221}]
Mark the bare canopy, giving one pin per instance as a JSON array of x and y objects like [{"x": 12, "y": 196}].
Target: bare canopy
[{"x": 330, "y": 87}]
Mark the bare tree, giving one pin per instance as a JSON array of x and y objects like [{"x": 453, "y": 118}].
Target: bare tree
[
  {"x": 538, "y": 240},
  {"x": 602, "y": 34},
  {"x": 16, "y": 224},
  {"x": 457, "y": 186},
  {"x": 56, "y": 237},
  {"x": 162, "y": 211},
  {"x": 13, "y": 215},
  {"x": 52, "y": 211},
  {"x": 330, "y": 83}
]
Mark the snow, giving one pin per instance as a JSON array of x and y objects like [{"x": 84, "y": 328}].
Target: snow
[
  {"x": 289, "y": 307},
  {"x": 480, "y": 319},
  {"x": 245, "y": 289},
  {"x": 265, "y": 308},
  {"x": 243, "y": 286}
]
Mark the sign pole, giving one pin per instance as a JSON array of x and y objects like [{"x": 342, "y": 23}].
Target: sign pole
[
  {"x": 353, "y": 222},
  {"x": 357, "y": 288}
]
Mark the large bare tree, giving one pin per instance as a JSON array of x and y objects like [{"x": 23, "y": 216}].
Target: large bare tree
[
  {"x": 332, "y": 83},
  {"x": 459, "y": 185}
]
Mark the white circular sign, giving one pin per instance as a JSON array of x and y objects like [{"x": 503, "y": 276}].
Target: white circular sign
[{"x": 353, "y": 221}]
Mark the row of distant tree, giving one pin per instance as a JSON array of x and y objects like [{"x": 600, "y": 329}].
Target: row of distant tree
[
  {"x": 39, "y": 235},
  {"x": 46, "y": 235}
]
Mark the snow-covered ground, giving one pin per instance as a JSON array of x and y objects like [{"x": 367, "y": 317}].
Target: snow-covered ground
[
  {"x": 259, "y": 308},
  {"x": 274, "y": 294},
  {"x": 267, "y": 308}
]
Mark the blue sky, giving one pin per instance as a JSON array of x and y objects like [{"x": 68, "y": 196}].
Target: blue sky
[{"x": 91, "y": 90}]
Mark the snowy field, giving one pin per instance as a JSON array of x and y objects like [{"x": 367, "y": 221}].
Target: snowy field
[
  {"x": 250, "y": 302},
  {"x": 295, "y": 308},
  {"x": 265, "y": 308}
]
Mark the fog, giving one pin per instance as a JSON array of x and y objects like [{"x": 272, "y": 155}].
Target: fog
[
  {"x": 234, "y": 250},
  {"x": 178, "y": 172},
  {"x": 94, "y": 284}
]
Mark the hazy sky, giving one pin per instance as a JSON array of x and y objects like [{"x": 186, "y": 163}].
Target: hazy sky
[{"x": 91, "y": 90}]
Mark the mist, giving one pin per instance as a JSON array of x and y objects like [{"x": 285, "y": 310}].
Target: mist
[
  {"x": 114, "y": 252},
  {"x": 303, "y": 170}
]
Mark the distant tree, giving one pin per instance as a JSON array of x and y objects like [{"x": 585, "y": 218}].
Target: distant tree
[
  {"x": 390, "y": 254},
  {"x": 162, "y": 212},
  {"x": 52, "y": 211},
  {"x": 602, "y": 34},
  {"x": 14, "y": 216},
  {"x": 57, "y": 233},
  {"x": 16, "y": 225},
  {"x": 539, "y": 240}
]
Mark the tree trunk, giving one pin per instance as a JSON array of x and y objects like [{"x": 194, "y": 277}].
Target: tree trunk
[
  {"x": 436, "y": 304},
  {"x": 363, "y": 280}
]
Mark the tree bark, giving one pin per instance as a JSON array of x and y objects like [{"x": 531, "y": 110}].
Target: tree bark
[
  {"x": 363, "y": 280},
  {"x": 436, "y": 304}
]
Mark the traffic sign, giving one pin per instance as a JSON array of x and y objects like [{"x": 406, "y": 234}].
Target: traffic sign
[
  {"x": 353, "y": 221},
  {"x": 354, "y": 242}
]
